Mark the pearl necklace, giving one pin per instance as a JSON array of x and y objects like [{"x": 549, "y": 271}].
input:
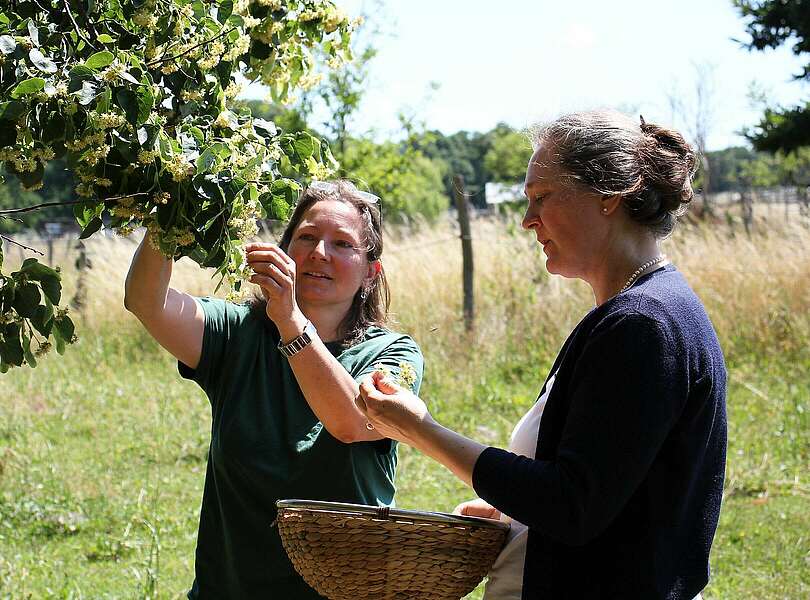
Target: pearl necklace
[{"x": 641, "y": 269}]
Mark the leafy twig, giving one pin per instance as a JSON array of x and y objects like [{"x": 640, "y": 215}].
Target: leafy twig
[
  {"x": 164, "y": 59},
  {"x": 10, "y": 241},
  {"x": 6, "y": 211},
  {"x": 75, "y": 25}
]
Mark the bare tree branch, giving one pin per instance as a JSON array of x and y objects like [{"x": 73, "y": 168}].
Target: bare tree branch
[
  {"x": 7, "y": 211},
  {"x": 10, "y": 241}
]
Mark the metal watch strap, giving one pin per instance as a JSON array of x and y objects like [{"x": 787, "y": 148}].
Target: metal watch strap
[{"x": 299, "y": 343}]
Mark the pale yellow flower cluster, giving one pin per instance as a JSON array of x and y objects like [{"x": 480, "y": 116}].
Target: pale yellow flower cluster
[
  {"x": 161, "y": 198},
  {"x": 25, "y": 160},
  {"x": 310, "y": 80},
  {"x": 108, "y": 120},
  {"x": 184, "y": 238},
  {"x": 223, "y": 119},
  {"x": 318, "y": 170},
  {"x": 113, "y": 72},
  {"x": 147, "y": 157},
  {"x": 127, "y": 212},
  {"x": 240, "y": 47},
  {"x": 191, "y": 95},
  {"x": 96, "y": 154},
  {"x": 145, "y": 18},
  {"x": 179, "y": 167},
  {"x": 265, "y": 32},
  {"x": 95, "y": 139},
  {"x": 233, "y": 89},
  {"x": 271, "y": 4}
]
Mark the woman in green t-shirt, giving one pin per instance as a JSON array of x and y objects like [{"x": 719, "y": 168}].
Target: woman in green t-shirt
[{"x": 281, "y": 375}]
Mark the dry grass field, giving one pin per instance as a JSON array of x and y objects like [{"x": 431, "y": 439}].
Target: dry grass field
[{"x": 102, "y": 450}]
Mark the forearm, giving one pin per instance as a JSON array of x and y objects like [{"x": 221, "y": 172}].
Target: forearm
[
  {"x": 330, "y": 392},
  {"x": 453, "y": 450},
  {"x": 147, "y": 282}
]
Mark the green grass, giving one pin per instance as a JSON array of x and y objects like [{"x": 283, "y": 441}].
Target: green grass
[
  {"x": 102, "y": 451},
  {"x": 102, "y": 458}
]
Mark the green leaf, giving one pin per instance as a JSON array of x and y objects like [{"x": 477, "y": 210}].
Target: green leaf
[
  {"x": 33, "y": 32},
  {"x": 65, "y": 328},
  {"x": 93, "y": 226},
  {"x": 41, "y": 62},
  {"x": 11, "y": 351},
  {"x": 52, "y": 288},
  {"x": 145, "y": 101},
  {"x": 26, "y": 299},
  {"x": 7, "y": 44},
  {"x": 128, "y": 101},
  {"x": 137, "y": 105},
  {"x": 29, "y": 86},
  {"x": 12, "y": 110},
  {"x": 88, "y": 93},
  {"x": 43, "y": 319},
  {"x": 60, "y": 341},
  {"x": 105, "y": 39},
  {"x": 99, "y": 60},
  {"x": 29, "y": 356},
  {"x": 224, "y": 11},
  {"x": 36, "y": 271}
]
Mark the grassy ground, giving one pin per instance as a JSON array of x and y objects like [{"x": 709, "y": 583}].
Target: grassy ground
[{"x": 102, "y": 451}]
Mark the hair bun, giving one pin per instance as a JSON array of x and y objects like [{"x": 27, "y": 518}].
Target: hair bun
[{"x": 668, "y": 164}]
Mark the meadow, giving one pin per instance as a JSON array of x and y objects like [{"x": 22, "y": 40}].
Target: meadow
[{"x": 102, "y": 450}]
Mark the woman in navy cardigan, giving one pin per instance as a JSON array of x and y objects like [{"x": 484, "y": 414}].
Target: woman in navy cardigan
[{"x": 613, "y": 479}]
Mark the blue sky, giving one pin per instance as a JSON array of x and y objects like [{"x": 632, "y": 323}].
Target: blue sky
[{"x": 523, "y": 61}]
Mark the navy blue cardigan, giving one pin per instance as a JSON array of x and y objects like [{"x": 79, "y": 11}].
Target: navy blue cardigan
[{"x": 623, "y": 497}]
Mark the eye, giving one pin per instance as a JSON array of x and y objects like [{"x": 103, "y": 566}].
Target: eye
[
  {"x": 344, "y": 244},
  {"x": 307, "y": 237}
]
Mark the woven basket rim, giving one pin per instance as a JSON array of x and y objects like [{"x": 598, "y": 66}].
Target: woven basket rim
[{"x": 386, "y": 513}]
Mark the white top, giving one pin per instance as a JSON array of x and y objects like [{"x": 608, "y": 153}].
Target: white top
[{"x": 506, "y": 576}]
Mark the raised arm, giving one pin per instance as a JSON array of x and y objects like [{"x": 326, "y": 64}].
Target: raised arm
[{"x": 173, "y": 318}]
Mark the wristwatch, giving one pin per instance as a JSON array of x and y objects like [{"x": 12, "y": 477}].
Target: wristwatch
[{"x": 302, "y": 341}]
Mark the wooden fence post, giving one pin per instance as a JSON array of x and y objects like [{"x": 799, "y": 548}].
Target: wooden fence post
[{"x": 466, "y": 250}]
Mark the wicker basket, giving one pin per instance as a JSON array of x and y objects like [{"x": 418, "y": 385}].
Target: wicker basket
[{"x": 356, "y": 552}]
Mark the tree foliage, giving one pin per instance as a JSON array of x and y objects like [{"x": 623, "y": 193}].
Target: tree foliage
[
  {"x": 135, "y": 96},
  {"x": 409, "y": 183},
  {"x": 508, "y": 155},
  {"x": 772, "y": 23}
]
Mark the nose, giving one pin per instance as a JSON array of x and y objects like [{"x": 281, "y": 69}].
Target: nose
[
  {"x": 319, "y": 250},
  {"x": 530, "y": 219}
]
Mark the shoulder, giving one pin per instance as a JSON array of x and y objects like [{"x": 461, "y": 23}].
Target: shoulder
[
  {"x": 221, "y": 314},
  {"x": 382, "y": 336},
  {"x": 379, "y": 342},
  {"x": 662, "y": 304}
]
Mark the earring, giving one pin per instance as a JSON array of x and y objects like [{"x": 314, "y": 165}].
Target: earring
[
  {"x": 363, "y": 293},
  {"x": 604, "y": 210}
]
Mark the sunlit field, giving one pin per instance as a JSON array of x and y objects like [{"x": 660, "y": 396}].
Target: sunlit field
[{"x": 102, "y": 450}]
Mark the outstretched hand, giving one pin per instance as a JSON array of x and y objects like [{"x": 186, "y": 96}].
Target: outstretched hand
[{"x": 395, "y": 412}]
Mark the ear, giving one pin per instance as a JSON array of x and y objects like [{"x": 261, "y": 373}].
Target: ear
[
  {"x": 374, "y": 269},
  {"x": 609, "y": 204}
]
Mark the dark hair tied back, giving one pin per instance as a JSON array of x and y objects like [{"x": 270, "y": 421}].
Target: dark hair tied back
[{"x": 649, "y": 166}]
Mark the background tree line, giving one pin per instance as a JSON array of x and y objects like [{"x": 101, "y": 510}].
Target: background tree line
[{"x": 414, "y": 173}]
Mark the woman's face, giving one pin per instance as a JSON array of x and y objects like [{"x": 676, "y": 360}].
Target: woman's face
[
  {"x": 328, "y": 247},
  {"x": 566, "y": 220}
]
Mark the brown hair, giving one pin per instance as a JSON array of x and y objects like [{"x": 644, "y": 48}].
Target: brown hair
[
  {"x": 364, "y": 311},
  {"x": 651, "y": 167}
]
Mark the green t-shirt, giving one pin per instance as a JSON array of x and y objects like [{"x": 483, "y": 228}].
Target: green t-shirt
[{"x": 267, "y": 444}]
